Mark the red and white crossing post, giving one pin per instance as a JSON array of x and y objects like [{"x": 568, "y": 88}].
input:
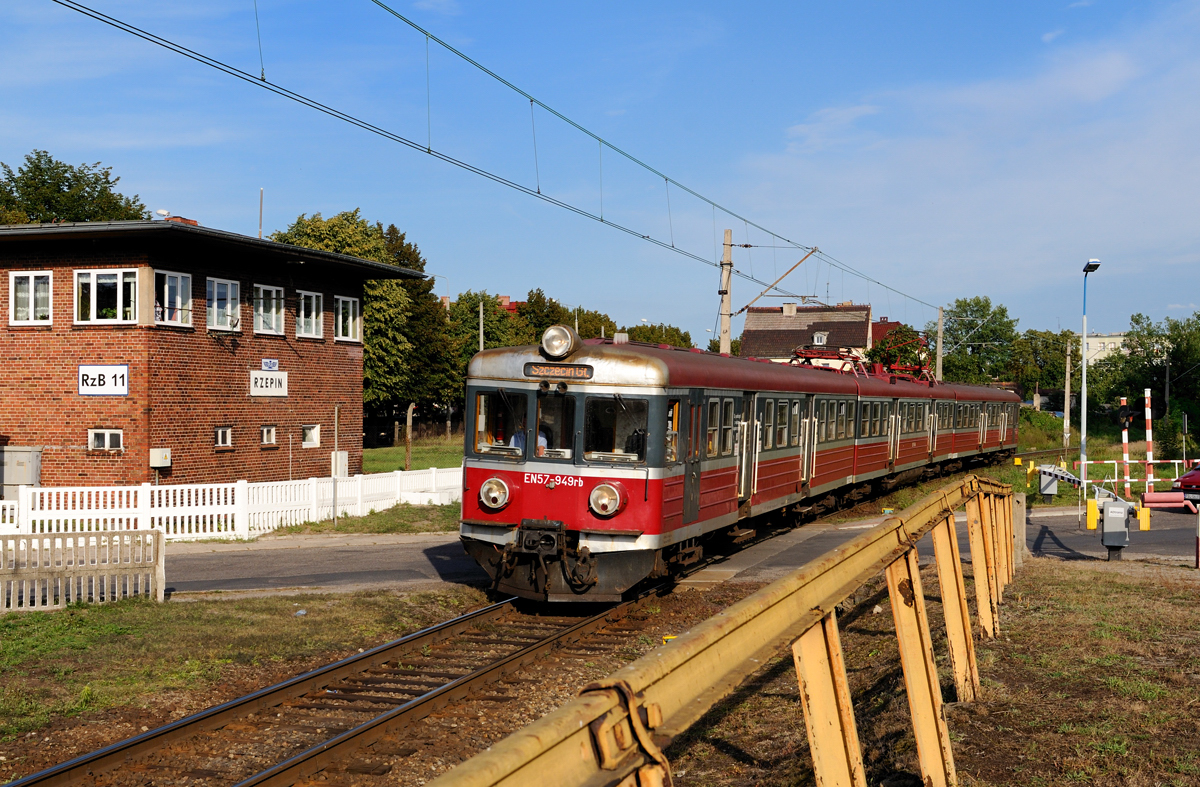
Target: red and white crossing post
[
  {"x": 1125, "y": 447},
  {"x": 1149, "y": 447}
]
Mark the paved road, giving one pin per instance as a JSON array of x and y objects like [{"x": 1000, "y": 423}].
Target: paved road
[{"x": 349, "y": 562}]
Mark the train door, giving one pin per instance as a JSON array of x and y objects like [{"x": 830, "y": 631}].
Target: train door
[
  {"x": 747, "y": 447},
  {"x": 931, "y": 427},
  {"x": 808, "y": 456},
  {"x": 693, "y": 451},
  {"x": 983, "y": 423},
  {"x": 893, "y": 432}
]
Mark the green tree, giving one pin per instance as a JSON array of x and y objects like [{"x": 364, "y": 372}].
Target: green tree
[
  {"x": 735, "y": 346},
  {"x": 540, "y": 312},
  {"x": 1037, "y": 361},
  {"x": 500, "y": 329},
  {"x": 977, "y": 340},
  {"x": 901, "y": 346},
  {"x": 44, "y": 189},
  {"x": 386, "y": 366},
  {"x": 594, "y": 324},
  {"x": 433, "y": 381},
  {"x": 659, "y": 334}
]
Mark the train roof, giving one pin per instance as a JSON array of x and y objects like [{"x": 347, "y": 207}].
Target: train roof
[{"x": 664, "y": 366}]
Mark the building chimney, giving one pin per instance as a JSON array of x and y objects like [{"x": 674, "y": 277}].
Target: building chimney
[
  {"x": 504, "y": 299},
  {"x": 446, "y": 302},
  {"x": 182, "y": 220},
  {"x": 789, "y": 310}
]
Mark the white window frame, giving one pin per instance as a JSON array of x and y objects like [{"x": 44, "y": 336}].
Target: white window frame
[
  {"x": 820, "y": 338},
  {"x": 233, "y": 310},
  {"x": 91, "y": 274},
  {"x": 302, "y": 296},
  {"x": 108, "y": 435},
  {"x": 315, "y": 432},
  {"x": 340, "y": 302},
  {"x": 12, "y": 297},
  {"x": 184, "y": 286},
  {"x": 280, "y": 309},
  {"x": 225, "y": 432},
  {"x": 266, "y": 432}
]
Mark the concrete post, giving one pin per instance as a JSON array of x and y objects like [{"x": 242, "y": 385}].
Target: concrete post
[{"x": 241, "y": 509}]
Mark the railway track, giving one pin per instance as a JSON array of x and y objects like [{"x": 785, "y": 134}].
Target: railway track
[{"x": 350, "y": 715}]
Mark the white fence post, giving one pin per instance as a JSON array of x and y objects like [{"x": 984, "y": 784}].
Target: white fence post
[
  {"x": 241, "y": 509},
  {"x": 23, "y": 505},
  {"x": 145, "y": 520},
  {"x": 358, "y": 503},
  {"x": 312, "y": 491},
  {"x": 433, "y": 481}
]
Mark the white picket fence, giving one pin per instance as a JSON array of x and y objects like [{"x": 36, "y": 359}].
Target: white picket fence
[{"x": 235, "y": 510}]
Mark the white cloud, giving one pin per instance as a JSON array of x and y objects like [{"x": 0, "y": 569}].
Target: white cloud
[
  {"x": 1080, "y": 4},
  {"x": 1048, "y": 37},
  {"x": 827, "y": 127}
]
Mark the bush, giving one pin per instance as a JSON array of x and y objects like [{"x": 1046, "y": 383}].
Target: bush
[{"x": 1040, "y": 428}]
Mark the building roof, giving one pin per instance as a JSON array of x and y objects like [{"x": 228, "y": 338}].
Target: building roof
[
  {"x": 176, "y": 232},
  {"x": 774, "y": 331}
]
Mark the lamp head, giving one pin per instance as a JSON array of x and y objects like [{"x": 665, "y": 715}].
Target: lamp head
[{"x": 1091, "y": 266}]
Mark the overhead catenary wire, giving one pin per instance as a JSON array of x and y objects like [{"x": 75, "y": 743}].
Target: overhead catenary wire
[{"x": 394, "y": 137}]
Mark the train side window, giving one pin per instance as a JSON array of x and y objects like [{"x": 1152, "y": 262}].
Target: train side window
[
  {"x": 875, "y": 419},
  {"x": 768, "y": 423},
  {"x": 714, "y": 426},
  {"x": 795, "y": 423},
  {"x": 781, "y": 424},
  {"x": 500, "y": 423},
  {"x": 841, "y": 421},
  {"x": 864, "y": 429},
  {"x": 851, "y": 417},
  {"x": 672, "y": 438},
  {"x": 821, "y": 408},
  {"x": 727, "y": 427},
  {"x": 885, "y": 420},
  {"x": 910, "y": 418}
]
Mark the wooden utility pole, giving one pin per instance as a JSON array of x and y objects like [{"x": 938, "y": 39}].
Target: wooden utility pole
[
  {"x": 938, "y": 370},
  {"x": 724, "y": 292},
  {"x": 408, "y": 438},
  {"x": 1067, "y": 399}
]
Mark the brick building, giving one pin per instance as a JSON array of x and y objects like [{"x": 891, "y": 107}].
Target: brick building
[
  {"x": 775, "y": 331},
  {"x": 231, "y": 351}
]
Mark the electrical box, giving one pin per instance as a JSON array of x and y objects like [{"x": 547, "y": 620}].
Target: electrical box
[
  {"x": 1047, "y": 484},
  {"x": 19, "y": 466},
  {"x": 160, "y": 457},
  {"x": 339, "y": 463},
  {"x": 1114, "y": 526}
]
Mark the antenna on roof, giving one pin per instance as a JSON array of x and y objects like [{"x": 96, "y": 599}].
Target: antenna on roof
[{"x": 163, "y": 213}]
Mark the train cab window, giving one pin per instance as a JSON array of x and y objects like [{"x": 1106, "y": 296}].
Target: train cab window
[
  {"x": 781, "y": 424},
  {"x": 672, "y": 439},
  {"x": 556, "y": 426},
  {"x": 714, "y": 426},
  {"x": 768, "y": 430},
  {"x": 500, "y": 423},
  {"x": 727, "y": 427},
  {"x": 614, "y": 429},
  {"x": 795, "y": 423}
]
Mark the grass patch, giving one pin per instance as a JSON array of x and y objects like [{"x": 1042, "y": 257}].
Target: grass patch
[
  {"x": 136, "y": 652},
  {"x": 426, "y": 453},
  {"x": 400, "y": 518}
]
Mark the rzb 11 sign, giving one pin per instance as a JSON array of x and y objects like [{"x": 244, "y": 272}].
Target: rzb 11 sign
[
  {"x": 268, "y": 383},
  {"x": 107, "y": 380}
]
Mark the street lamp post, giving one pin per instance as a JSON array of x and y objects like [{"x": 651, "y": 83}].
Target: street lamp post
[{"x": 1091, "y": 266}]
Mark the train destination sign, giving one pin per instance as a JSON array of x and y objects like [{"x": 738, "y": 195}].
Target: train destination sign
[{"x": 559, "y": 371}]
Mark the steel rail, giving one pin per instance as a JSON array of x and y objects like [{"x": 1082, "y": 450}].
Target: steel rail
[
  {"x": 676, "y": 684},
  {"x": 72, "y": 771},
  {"x": 319, "y": 757}
]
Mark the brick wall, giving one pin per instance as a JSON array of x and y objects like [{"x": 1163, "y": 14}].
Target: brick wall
[{"x": 184, "y": 382}]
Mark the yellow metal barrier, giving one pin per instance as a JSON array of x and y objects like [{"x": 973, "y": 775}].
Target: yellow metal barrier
[{"x": 613, "y": 732}]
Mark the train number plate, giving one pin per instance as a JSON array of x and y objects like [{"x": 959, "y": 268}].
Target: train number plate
[{"x": 557, "y": 480}]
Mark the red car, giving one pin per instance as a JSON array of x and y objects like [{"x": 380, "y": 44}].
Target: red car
[{"x": 1189, "y": 484}]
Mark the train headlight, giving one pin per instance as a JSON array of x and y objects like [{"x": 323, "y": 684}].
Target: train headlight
[
  {"x": 605, "y": 500},
  {"x": 559, "y": 341},
  {"x": 494, "y": 493}
]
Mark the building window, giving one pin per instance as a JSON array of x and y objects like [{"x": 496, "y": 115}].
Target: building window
[
  {"x": 310, "y": 436},
  {"x": 106, "y": 296},
  {"x": 29, "y": 298},
  {"x": 223, "y": 436},
  {"x": 347, "y": 319},
  {"x": 172, "y": 298},
  {"x": 105, "y": 440},
  {"x": 820, "y": 337},
  {"x": 268, "y": 435},
  {"x": 308, "y": 314},
  {"x": 224, "y": 308},
  {"x": 268, "y": 309}
]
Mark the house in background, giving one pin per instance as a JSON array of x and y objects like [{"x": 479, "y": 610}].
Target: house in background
[
  {"x": 1102, "y": 345},
  {"x": 774, "y": 332},
  {"x": 142, "y": 351}
]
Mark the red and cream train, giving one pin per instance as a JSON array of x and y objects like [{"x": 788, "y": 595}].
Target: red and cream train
[{"x": 593, "y": 465}]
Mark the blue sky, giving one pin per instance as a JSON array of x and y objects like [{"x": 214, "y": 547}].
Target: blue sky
[{"x": 947, "y": 150}]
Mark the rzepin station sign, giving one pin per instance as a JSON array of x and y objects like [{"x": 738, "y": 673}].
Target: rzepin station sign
[{"x": 268, "y": 383}]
